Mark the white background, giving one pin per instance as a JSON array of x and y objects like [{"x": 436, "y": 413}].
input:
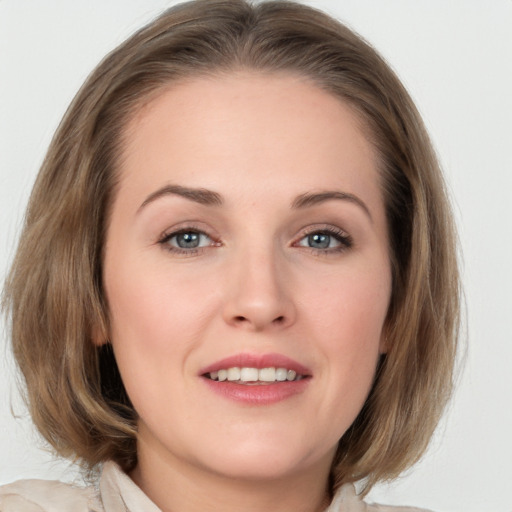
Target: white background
[{"x": 455, "y": 57}]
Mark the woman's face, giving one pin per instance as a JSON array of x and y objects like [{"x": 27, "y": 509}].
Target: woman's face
[{"x": 248, "y": 233}]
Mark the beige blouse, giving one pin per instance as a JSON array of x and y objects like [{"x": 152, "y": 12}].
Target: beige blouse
[{"x": 118, "y": 493}]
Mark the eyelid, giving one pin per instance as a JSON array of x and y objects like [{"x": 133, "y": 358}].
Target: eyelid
[
  {"x": 342, "y": 236},
  {"x": 186, "y": 227},
  {"x": 183, "y": 227}
]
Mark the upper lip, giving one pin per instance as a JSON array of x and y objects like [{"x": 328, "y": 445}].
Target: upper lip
[{"x": 256, "y": 361}]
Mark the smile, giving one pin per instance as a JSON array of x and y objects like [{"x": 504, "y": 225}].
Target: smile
[
  {"x": 254, "y": 375},
  {"x": 257, "y": 379}
]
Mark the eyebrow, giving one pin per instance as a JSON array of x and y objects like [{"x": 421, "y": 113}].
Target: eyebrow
[
  {"x": 311, "y": 199},
  {"x": 210, "y": 198},
  {"x": 198, "y": 195}
]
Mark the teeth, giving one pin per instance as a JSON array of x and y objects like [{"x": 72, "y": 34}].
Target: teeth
[
  {"x": 267, "y": 374},
  {"x": 233, "y": 374},
  {"x": 236, "y": 374},
  {"x": 249, "y": 374},
  {"x": 291, "y": 375},
  {"x": 281, "y": 374}
]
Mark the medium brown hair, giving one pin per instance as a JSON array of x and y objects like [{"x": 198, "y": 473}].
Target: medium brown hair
[{"x": 54, "y": 292}]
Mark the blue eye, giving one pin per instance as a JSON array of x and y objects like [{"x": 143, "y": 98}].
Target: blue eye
[
  {"x": 186, "y": 240},
  {"x": 326, "y": 240},
  {"x": 319, "y": 241}
]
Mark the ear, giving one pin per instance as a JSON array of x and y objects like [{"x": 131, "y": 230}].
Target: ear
[
  {"x": 99, "y": 333},
  {"x": 384, "y": 343}
]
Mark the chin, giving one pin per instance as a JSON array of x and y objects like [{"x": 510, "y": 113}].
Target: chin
[
  {"x": 253, "y": 470},
  {"x": 266, "y": 461}
]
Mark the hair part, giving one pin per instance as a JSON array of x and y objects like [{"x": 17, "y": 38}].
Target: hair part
[{"x": 54, "y": 292}]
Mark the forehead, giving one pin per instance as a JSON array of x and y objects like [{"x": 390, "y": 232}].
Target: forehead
[{"x": 220, "y": 131}]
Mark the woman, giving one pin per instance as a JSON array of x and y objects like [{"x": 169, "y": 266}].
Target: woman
[{"x": 237, "y": 285}]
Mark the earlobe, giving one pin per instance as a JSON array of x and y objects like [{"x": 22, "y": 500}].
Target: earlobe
[
  {"x": 98, "y": 339},
  {"x": 99, "y": 335},
  {"x": 384, "y": 343}
]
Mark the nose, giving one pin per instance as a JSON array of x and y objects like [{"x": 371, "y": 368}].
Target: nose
[{"x": 259, "y": 294}]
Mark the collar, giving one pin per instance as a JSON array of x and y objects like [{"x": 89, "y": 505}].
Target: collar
[{"x": 120, "y": 494}]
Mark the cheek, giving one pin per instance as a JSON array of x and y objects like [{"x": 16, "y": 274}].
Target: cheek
[
  {"x": 155, "y": 322},
  {"x": 348, "y": 317},
  {"x": 352, "y": 302},
  {"x": 155, "y": 319},
  {"x": 153, "y": 307}
]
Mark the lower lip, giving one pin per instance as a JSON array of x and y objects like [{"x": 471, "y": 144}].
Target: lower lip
[{"x": 258, "y": 394}]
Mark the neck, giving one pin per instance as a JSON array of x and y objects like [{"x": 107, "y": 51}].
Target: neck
[{"x": 177, "y": 486}]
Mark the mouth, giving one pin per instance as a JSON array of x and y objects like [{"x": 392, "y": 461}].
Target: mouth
[
  {"x": 254, "y": 376},
  {"x": 257, "y": 379}
]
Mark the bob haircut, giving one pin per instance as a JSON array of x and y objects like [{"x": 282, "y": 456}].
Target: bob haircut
[{"x": 54, "y": 292}]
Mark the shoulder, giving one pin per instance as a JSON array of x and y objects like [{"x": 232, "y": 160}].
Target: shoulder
[
  {"x": 47, "y": 496},
  {"x": 390, "y": 508},
  {"x": 346, "y": 500},
  {"x": 375, "y": 507}
]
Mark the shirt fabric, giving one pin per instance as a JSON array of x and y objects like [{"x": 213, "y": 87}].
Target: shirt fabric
[{"x": 116, "y": 492}]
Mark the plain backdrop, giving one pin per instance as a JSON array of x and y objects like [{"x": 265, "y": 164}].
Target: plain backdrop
[{"x": 455, "y": 57}]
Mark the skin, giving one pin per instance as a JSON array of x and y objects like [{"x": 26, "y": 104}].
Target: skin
[{"x": 255, "y": 285}]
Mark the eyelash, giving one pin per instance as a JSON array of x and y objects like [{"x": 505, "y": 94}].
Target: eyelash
[
  {"x": 344, "y": 239},
  {"x": 179, "y": 251}
]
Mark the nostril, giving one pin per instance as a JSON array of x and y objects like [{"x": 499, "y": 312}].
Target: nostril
[{"x": 239, "y": 319}]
